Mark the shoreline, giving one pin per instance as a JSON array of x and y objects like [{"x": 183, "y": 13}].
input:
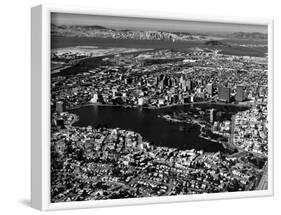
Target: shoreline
[
  {"x": 201, "y": 127},
  {"x": 157, "y": 108},
  {"x": 228, "y": 147},
  {"x": 154, "y": 44},
  {"x": 111, "y": 55}
]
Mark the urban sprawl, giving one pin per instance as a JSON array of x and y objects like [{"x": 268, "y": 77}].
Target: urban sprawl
[{"x": 92, "y": 163}]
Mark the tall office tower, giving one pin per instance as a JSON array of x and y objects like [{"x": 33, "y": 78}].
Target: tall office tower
[
  {"x": 240, "y": 94},
  {"x": 95, "y": 98},
  {"x": 173, "y": 82},
  {"x": 181, "y": 79},
  {"x": 212, "y": 112},
  {"x": 140, "y": 101},
  {"x": 180, "y": 99},
  {"x": 210, "y": 89},
  {"x": 59, "y": 106},
  {"x": 189, "y": 84},
  {"x": 224, "y": 94},
  {"x": 156, "y": 81},
  {"x": 183, "y": 86},
  {"x": 161, "y": 85},
  {"x": 191, "y": 98},
  {"x": 114, "y": 91},
  {"x": 262, "y": 91},
  {"x": 139, "y": 141}
]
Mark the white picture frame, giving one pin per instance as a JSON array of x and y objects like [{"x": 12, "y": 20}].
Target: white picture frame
[{"x": 40, "y": 108}]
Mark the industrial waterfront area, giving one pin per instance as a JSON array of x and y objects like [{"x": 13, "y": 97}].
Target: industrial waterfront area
[{"x": 129, "y": 122}]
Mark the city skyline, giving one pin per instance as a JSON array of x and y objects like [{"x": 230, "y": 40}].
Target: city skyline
[{"x": 133, "y": 23}]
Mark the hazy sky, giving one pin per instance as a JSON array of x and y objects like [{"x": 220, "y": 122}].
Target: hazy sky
[{"x": 153, "y": 24}]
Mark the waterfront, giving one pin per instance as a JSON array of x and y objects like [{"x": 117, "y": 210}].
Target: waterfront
[
  {"x": 154, "y": 129},
  {"x": 62, "y": 42}
]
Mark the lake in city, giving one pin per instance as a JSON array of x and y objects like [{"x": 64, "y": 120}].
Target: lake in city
[
  {"x": 144, "y": 121},
  {"x": 153, "y": 129}
]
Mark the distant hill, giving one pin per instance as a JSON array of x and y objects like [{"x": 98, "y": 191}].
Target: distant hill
[
  {"x": 216, "y": 43},
  {"x": 103, "y": 32},
  {"x": 75, "y": 27},
  {"x": 90, "y": 27},
  {"x": 251, "y": 35}
]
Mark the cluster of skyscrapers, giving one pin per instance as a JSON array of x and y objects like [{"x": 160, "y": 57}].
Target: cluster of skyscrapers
[{"x": 224, "y": 94}]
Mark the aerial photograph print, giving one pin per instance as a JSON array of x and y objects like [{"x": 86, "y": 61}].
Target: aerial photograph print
[{"x": 143, "y": 107}]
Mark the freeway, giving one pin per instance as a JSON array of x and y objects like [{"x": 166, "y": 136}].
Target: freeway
[{"x": 263, "y": 184}]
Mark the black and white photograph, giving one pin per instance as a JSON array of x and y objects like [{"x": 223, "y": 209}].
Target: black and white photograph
[
  {"x": 140, "y": 107},
  {"x": 145, "y": 107}
]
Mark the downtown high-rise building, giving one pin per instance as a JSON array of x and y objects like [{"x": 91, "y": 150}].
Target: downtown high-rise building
[
  {"x": 59, "y": 106},
  {"x": 240, "y": 96},
  {"x": 224, "y": 94},
  {"x": 95, "y": 98},
  {"x": 114, "y": 91},
  {"x": 209, "y": 89},
  {"x": 189, "y": 85},
  {"x": 212, "y": 117}
]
